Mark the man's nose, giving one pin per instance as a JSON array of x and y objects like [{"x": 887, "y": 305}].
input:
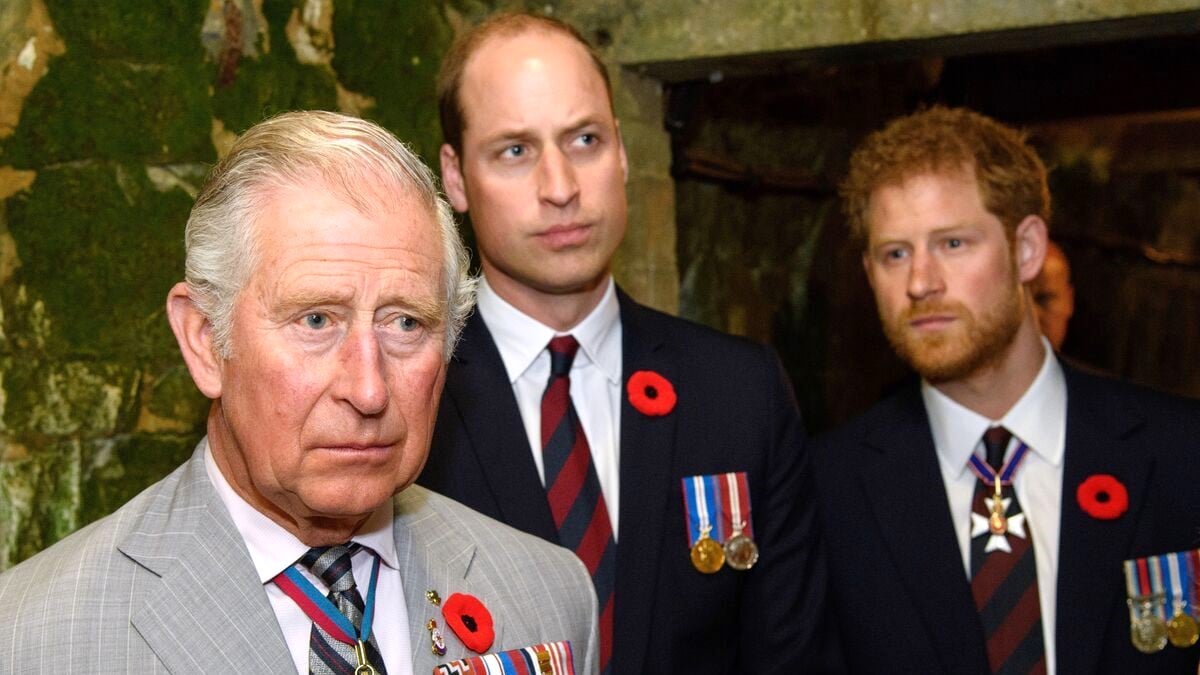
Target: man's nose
[
  {"x": 557, "y": 183},
  {"x": 363, "y": 382},
  {"x": 924, "y": 276}
]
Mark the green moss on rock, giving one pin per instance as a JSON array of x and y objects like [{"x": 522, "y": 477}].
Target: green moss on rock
[
  {"x": 114, "y": 110},
  {"x": 145, "y": 30},
  {"x": 47, "y": 400},
  {"x": 391, "y": 52},
  {"x": 101, "y": 246},
  {"x": 173, "y": 395},
  {"x": 274, "y": 82},
  {"x": 124, "y": 466}
]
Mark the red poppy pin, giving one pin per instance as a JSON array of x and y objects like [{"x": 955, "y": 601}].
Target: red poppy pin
[
  {"x": 650, "y": 393},
  {"x": 1102, "y": 497},
  {"x": 470, "y": 621}
]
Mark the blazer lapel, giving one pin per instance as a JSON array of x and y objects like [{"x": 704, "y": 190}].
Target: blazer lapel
[
  {"x": 647, "y": 455},
  {"x": 435, "y": 557},
  {"x": 479, "y": 386},
  {"x": 1090, "y": 579},
  {"x": 905, "y": 489},
  {"x": 208, "y": 610}
]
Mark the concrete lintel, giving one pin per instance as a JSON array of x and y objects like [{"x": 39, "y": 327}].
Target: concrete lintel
[{"x": 698, "y": 40}]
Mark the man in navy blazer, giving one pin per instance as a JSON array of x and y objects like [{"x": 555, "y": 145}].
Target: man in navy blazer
[
  {"x": 951, "y": 208},
  {"x": 534, "y": 152}
]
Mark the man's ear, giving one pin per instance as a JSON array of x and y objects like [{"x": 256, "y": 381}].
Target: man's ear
[
  {"x": 452, "y": 178},
  {"x": 1030, "y": 243},
  {"x": 621, "y": 150},
  {"x": 194, "y": 335}
]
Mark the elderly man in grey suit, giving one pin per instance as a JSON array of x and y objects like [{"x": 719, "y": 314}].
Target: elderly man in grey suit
[{"x": 326, "y": 285}]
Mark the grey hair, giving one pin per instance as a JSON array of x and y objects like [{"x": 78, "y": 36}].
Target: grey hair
[{"x": 286, "y": 150}]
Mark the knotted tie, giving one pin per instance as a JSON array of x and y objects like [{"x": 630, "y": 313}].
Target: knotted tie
[
  {"x": 1004, "y": 574},
  {"x": 327, "y": 655},
  {"x": 573, "y": 488}
]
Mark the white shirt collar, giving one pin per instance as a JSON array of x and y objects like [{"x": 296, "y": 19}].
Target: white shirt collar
[
  {"x": 274, "y": 549},
  {"x": 1038, "y": 419},
  {"x": 521, "y": 338}
]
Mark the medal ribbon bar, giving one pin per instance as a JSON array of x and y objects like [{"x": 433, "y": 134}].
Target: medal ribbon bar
[
  {"x": 551, "y": 658},
  {"x": 736, "y": 503}
]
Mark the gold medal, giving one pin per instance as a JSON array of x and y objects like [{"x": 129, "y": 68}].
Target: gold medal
[
  {"x": 707, "y": 555},
  {"x": 740, "y": 551},
  {"x": 998, "y": 522},
  {"x": 1147, "y": 630},
  {"x": 1149, "y": 634},
  {"x": 1182, "y": 630}
]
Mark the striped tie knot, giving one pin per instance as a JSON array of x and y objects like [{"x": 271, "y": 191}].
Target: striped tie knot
[
  {"x": 995, "y": 442},
  {"x": 562, "y": 355},
  {"x": 332, "y": 565}
]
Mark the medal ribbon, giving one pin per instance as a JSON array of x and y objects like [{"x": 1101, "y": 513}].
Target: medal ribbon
[
  {"x": 700, "y": 500},
  {"x": 1156, "y": 583},
  {"x": 1175, "y": 576},
  {"x": 323, "y": 612},
  {"x": 736, "y": 503},
  {"x": 556, "y": 655},
  {"x": 988, "y": 475}
]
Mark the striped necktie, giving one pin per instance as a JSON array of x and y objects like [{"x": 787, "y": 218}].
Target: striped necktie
[
  {"x": 573, "y": 488},
  {"x": 1004, "y": 573},
  {"x": 327, "y": 655}
]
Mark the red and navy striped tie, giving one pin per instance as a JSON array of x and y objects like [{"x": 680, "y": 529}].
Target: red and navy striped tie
[
  {"x": 1004, "y": 583},
  {"x": 573, "y": 488}
]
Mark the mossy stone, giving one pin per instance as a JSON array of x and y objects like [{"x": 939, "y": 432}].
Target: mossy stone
[
  {"x": 391, "y": 52},
  {"x": 274, "y": 82},
  {"x": 102, "y": 270},
  {"x": 114, "y": 110},
  {"x": 155, "y": 31}
]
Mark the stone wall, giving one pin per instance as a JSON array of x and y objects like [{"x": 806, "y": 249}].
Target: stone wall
[{"x": 110, "y": 114}]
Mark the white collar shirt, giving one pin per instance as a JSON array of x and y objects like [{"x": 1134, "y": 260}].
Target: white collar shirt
[
  {"x": 274, "y": 549},
  {"x": 1038, "y": 419},
  {"x": 595, "y": 378}
]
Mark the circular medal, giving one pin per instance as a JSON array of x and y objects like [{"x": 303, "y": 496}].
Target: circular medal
[
  {"x": 1182, "y": 630},
  {"x": 741, "y": 552},
  {"x": 997, "y": 523},
  {"x": 1149, "y": 634},
  {"x": 707, "y": 555}
]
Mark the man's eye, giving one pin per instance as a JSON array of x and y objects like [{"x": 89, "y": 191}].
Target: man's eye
[
  {"x": 954, "y": 243},
  {"x": 316, "y": 321},
  {"x": 894, "y": 254},
  {"x": 515, "y": 150},
  {"x": 588, "y": 139},
  {"x": 408, "y": 324}
]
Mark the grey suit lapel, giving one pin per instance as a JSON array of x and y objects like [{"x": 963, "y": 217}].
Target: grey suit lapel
[
  {"x": 207, "y": 611},
  {"x": 435, "y": 555}
]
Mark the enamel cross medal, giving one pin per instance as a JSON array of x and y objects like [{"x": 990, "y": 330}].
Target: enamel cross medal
[{"x": 998, "y": 524}]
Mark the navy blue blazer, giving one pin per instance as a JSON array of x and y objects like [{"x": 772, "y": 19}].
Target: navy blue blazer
[
  {"x": 735, "y": 412},
  {"x": 898, "y": 593}
]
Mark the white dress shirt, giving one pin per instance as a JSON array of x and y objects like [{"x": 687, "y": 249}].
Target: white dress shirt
[
  {"x": 274, "y": 549},
  {"x": 1039, "y": 419},
  {"x": 595, "y": 378}
]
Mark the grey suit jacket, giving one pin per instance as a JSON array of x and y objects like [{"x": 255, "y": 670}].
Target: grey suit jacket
[{"x": 165, "y": 584}]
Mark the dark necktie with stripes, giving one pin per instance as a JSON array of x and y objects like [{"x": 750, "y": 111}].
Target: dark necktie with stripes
[
  {"x": 1004, "y": 582},
  {"x": 327, "y": 655},
  {"x": 573, "y": 488}
]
